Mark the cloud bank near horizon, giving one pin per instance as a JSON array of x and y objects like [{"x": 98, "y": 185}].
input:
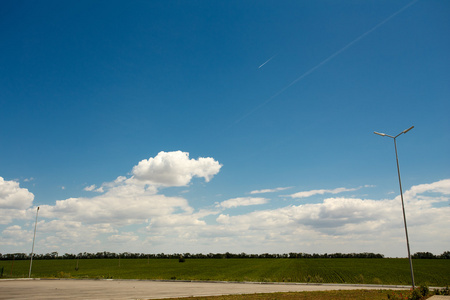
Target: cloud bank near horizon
[
  {"x": 133, "y": 214},
  {"x": 242, "y": 201}
]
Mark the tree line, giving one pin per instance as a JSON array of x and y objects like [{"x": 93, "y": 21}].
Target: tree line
[
  {"x": 428, "y": 255},
  {"x": 105, "y": 254}
]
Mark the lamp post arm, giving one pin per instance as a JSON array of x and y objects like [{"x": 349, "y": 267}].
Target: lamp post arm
[{"x": 404, "y": 131}]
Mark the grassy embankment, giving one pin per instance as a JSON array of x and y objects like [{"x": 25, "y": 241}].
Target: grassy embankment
[
  {"x": 430, "y": 272},
  {"x": 324, "y": 295}
]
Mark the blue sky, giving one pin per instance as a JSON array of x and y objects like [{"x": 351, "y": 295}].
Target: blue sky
[{"x": 208, "y": 126}]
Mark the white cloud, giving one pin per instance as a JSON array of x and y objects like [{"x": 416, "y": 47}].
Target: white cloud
[
  {"x": 9, "y": 215},
  {"x": 269, "y": 190},
  {"x": 90, "y": 188},
  {"x": 177, "y": 220},
  {"x": 133, "y": 200},
  {"x": 442, "y": 187},
  {"x": 242, "y": 201},
  {"x": 334, "y": 225},
  {"x": 321, "y": 192},
  {"x": 124, "y": 237},
  {"x": 94, "y": 188},
  {"x": 12, "y": 196},
  {"x": 175, "y": 169},
  {"x": 132, "y": 216},
  {"x": 14, "y": 201},
  {"x": 339, "y": 225},
  {"x": 15, "y": 236},
  {"x": 71, "y": 236},
  {"x": 346, "y": 225},
  {"x": 126, "y": 204}
]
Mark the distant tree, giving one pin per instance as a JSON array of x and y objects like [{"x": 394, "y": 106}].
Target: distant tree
[{"x": 423, "y": 255}]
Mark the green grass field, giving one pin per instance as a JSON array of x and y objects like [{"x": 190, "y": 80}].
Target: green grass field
[{"x": 430, "y": 272}]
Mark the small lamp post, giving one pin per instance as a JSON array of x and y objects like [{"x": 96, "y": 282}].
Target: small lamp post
[
  {"x": 34, "y": 237},
  {"x": 401, "y": 196}
]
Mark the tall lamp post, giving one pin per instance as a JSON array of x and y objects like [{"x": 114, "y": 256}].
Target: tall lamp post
[
  {"x": 34, "y": 237},
  {"x": 401, "y": 196}
]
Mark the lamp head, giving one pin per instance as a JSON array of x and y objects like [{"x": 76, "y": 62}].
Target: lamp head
[
  {"x": 382, "y": 134},
  {"x": 406, "y": 130}
]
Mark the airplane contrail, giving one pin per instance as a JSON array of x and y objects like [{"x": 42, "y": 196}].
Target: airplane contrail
[
  {"x": 267, "y": 61},
  {"x": 325, "y": 60}
]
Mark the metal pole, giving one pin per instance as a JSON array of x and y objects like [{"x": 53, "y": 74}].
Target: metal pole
[
  {"x": 34, "y": 237},
  {"x": 404, "y": 215},
  {"x": 401, "y": 196}
]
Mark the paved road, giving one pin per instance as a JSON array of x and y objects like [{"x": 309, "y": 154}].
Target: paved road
[{"x": 143, "y": 289}]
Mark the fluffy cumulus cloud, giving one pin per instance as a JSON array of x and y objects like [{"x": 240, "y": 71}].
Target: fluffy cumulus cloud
[
  {"x": 14, "y": 201},
  {"x": 15, "y": 236},
  {"x": 175, "y": 169},
  {"x": 136, "y": 199},
  {"x": 124, "y": 202},
  {"x": 69, "y": 235},
  {"x": 12, "y": 196}
]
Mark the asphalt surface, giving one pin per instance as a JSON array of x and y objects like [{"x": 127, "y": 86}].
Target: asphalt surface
[{"x": 146, "y": 289}]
